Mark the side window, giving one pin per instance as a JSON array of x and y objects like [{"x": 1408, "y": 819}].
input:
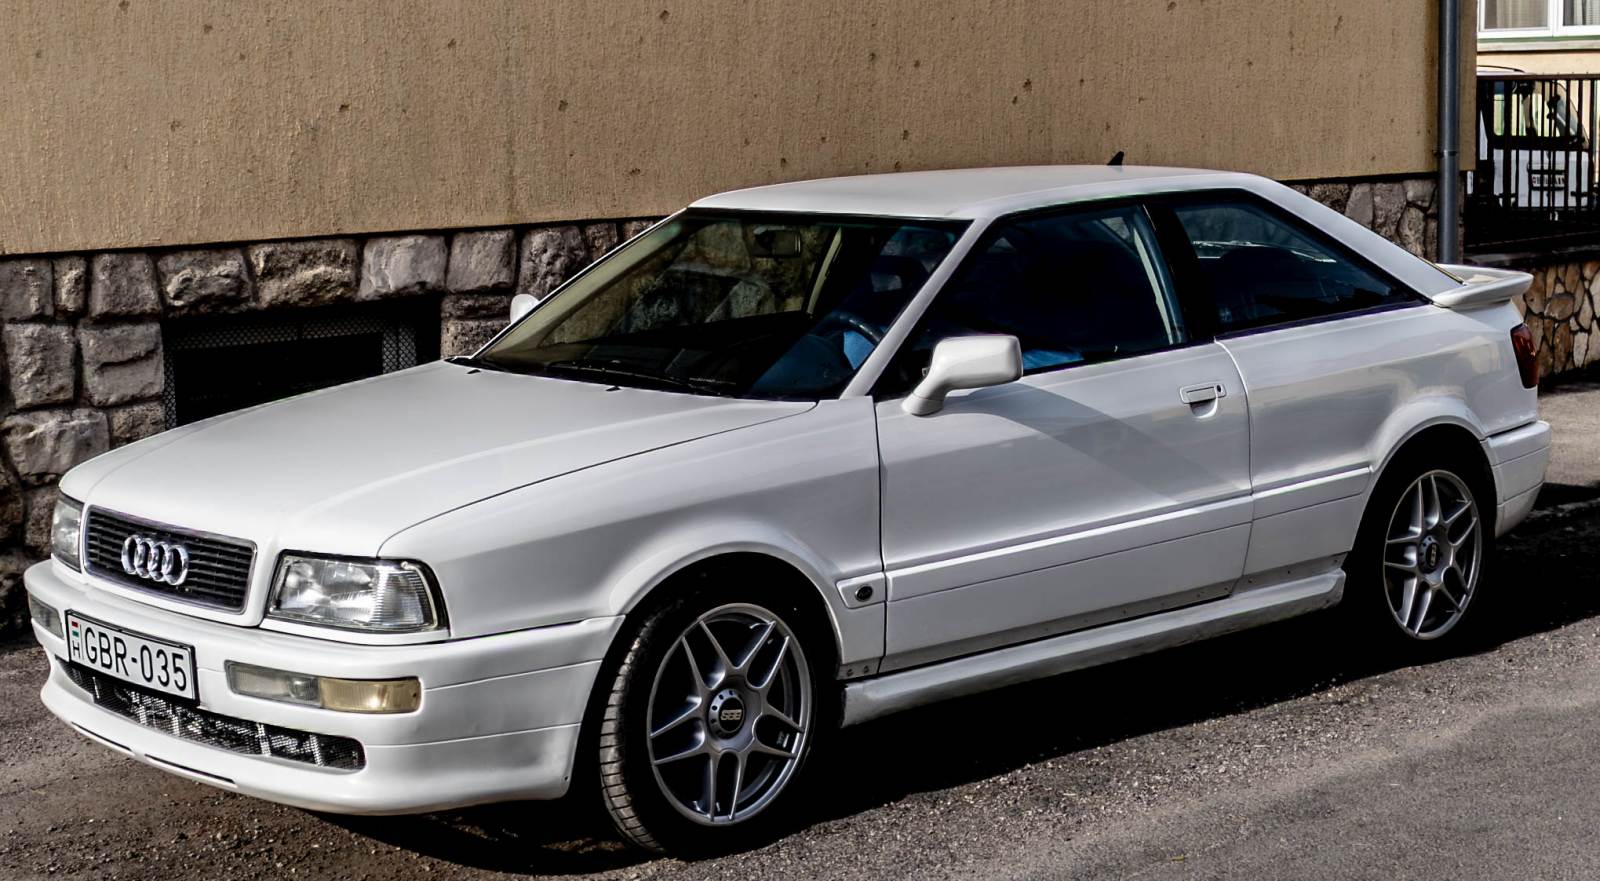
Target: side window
[
  {"x": 1072, "y": 288},
  {"x": 1262, "y": 269}
]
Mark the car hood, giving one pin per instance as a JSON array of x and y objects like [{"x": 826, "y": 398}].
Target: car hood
[{"x": 343, "y": 469}]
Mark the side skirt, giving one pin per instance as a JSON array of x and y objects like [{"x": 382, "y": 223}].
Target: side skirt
[{"x": 869, "y": 699}]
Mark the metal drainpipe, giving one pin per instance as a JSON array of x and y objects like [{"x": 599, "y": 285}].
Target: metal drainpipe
[{"x": 1449, "y": 131}]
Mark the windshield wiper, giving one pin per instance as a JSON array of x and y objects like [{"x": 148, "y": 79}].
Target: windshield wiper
[
  {"x": 607, "y": 369},
  {"x": 497, "y": 366}
]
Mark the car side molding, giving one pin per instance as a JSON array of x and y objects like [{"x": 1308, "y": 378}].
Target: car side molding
[{"x": 873, "y": 698}]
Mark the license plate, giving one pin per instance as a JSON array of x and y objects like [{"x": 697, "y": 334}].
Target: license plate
[{"x": 153, "y": 663}]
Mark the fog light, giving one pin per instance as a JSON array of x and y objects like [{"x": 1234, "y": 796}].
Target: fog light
[
  {"x": 45, "y": 616},
  {"x": 371, "y": 695},
  {"x": 344, "y": 695},
  {"x": 273, "y": 685}
]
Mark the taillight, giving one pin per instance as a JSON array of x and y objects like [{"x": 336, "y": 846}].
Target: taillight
[{"x": 1527, "y": 358}]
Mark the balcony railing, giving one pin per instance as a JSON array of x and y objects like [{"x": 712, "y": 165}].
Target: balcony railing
[{"x": 1534, "y": 184}]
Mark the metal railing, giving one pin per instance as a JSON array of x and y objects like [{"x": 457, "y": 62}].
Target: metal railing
[{"x": 1534, "y": 184}]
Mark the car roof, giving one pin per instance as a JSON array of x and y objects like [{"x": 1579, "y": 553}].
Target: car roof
[{"x": 970, "y": 193}]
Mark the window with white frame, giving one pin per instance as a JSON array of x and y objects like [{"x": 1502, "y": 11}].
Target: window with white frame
[{"x": 1538, "y": 18}]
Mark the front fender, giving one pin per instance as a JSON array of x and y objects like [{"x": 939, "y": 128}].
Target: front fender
[{"x": 803, "y": 490}]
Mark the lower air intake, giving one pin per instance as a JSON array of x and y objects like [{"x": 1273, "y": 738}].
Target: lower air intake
[{"x": 241, "y": 736}]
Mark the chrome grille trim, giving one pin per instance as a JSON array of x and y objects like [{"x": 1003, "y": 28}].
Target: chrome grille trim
[
  {"x": 175, "y": 717},
  {"x": 219, "y": 567}
]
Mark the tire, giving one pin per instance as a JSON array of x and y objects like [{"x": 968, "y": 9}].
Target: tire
[
  {"x": 1415, "y": 578},
  {"x": 746, "y": 729}
]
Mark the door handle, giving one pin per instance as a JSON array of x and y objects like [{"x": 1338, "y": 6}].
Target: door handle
[{"x": 1202, "y": 393}]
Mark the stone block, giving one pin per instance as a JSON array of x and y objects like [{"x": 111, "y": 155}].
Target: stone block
[
  {"x": 1537, "y": 293},
  {"x": 304, "y": 273},
  {"x": 402, "y": 265},
  {"x": 482, "y": 261},
  {"x": 44, "y": 444},
  {"x": 550, "y": 256},
  {"x": 122, "y": 363},
  {"x": 204, "y": 280},
  {"x": 136, "y": 422},
  {"x": 464, "y": 336},
  {"x": 1388, "y": 204},
  {"x": 11, "y": 505},
  {"x": 631, "y": 228},
  {"x": 1561, "y": 306},
  {"x": 41, "y": 363},
  {"x": 1413, "y": 231},
  {"x": 72, "y": 285},
  {"x": 123, "y": 285},
  {"x": 601, "y": 239},
  {"x": 27, "y": 289},
  {"x": 40, "y": 504},
  {"x": 494, "y": 306},
  {"x": 1419, "y": 192},
  {"x": 1359, "y": 207},
  {"x": 1561, "y": 347},
  {"x": 1333, "y": 195}
]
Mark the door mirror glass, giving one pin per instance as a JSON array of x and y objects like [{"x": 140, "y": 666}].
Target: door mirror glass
[
  {"x": 522, "y": 304},
  {"x": 965, "y": 362}
]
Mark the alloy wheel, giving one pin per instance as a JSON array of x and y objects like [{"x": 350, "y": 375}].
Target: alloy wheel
[
  {"x": 729, "y": 714},
  {"x": 1432, "y": 555}
]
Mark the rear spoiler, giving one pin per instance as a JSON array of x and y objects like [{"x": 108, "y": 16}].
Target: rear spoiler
[{"x": 1482, "y": 286}]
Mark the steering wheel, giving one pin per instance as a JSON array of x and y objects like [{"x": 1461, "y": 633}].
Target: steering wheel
[{"x": 852, "y": 322}]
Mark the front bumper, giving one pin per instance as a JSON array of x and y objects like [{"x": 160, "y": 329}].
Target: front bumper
[
  {"x": 1519, "y": 459},
  {"x": 499, "y": 720}
]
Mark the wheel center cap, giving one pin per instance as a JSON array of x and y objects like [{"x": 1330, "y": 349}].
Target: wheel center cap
[
  {"x": 726, "y": 714},
  {"x": 1430, "y": 554}
]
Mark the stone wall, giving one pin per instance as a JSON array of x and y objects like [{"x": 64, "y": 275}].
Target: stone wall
[
  {"x": 81, "y": 360},
  {"x": 1559, "y": 308},
  {"x": 1402, "y": 210}
]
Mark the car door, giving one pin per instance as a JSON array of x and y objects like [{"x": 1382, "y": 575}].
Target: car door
[
  {"x": 1111, "y": 481},
  {"x": 1325, "y": 344}
]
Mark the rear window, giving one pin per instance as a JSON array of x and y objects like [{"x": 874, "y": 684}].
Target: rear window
[{"x": 1263, "y": 269}]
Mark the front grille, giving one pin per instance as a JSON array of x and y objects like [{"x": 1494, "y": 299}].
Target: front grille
[
  {"x": 177, "y": 718},
  {"x": 219, "y": 568}
]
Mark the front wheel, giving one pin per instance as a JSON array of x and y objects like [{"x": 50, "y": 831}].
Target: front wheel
[
  {"x": 710, "y": 717},
  {"x": 1418, "y": 566}
]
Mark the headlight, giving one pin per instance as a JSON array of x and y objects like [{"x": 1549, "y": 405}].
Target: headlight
[
  {"x": 65, "y": 523},
  {"x": 389, "y": 596}
]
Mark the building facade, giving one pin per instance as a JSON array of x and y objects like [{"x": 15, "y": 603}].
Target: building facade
[{"x": 208, "y": 204}]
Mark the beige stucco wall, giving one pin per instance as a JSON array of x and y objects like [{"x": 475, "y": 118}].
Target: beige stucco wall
[
  {"x": 143, "y": 123},
  {"x": 1571, "y": 60}
]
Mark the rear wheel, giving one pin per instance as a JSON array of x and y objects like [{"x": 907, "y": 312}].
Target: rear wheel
[
  {"x": 710, "y": 718},
  {"x": 1416, "y": 573}
]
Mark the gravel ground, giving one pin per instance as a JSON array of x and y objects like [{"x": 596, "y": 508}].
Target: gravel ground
[{"x": 1290, "y": 751}]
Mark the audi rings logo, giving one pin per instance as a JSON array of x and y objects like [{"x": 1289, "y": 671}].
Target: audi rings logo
[{"x": 153, "y": 560}]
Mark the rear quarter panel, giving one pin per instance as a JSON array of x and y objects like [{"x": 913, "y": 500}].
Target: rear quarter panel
[{"x": 1331, "y": 402}]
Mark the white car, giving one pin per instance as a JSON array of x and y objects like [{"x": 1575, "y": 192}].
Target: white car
[{"x": 797, "y": 457}]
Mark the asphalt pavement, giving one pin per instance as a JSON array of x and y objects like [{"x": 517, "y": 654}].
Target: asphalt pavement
[{"x": 1293, "y": 751}]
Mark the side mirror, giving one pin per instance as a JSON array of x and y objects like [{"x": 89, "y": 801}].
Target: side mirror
[
  {"x": 965, "y": 362},
  {"x": 522, "y": 304}
]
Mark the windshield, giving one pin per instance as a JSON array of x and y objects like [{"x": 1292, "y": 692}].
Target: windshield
[{"x": 745, "y": 305}]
